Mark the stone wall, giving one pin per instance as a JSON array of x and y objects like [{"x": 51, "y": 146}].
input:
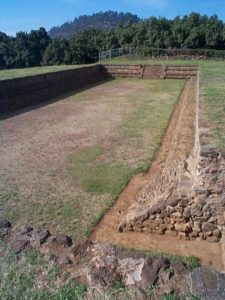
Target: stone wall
[
  {"x": 151, "y": 71},
  {"x": 21, "y": 92},
  {"x": 187, "y": 199}
]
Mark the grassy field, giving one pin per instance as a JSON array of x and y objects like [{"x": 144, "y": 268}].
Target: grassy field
[
  {"x": 213, "y": 89},
  {"x": 31, "y": 277},
  {"x": 64, "y": 164},
  {"x": 15, "y": 73}
]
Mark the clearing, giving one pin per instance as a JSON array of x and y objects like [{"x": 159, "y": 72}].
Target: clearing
[{"x": 64, "y": 164}]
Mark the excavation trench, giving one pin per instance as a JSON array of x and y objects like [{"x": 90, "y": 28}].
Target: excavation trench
[{"x": 179, "y": 141}]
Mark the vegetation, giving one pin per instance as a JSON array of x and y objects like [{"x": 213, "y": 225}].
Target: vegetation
[
  {"x": 31, "y": 277},
  {"x": 122, "y": 141},
  {"x": 213, "y": 89},
  {"x": 37, "y": 48},
  {"x": 102, "y": 20},
  {"x": 213, "y": 93},
  {"x": 190, "y": 261},
  {"x": 23, "y": 72}
]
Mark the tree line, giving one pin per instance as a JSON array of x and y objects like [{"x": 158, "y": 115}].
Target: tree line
[{"x": 37, "y": 48}]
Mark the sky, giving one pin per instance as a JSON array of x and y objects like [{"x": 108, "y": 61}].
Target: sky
[{"x": 25, "y": 15}]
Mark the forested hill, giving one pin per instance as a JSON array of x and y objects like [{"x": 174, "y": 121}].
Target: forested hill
[{"x": 102, "y": 20}]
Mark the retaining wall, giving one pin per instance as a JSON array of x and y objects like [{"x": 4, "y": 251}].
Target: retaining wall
[
  {"x": 151, "y": 71},
  {"x": 21, "y": 92}
]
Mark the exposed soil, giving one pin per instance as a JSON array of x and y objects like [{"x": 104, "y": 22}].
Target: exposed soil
[{"x": 106, "y": 231}]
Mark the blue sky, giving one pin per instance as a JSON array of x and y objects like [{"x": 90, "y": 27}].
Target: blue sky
[{"x": 24, "y": 15}]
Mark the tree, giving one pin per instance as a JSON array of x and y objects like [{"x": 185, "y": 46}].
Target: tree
[{"x": 57, "y": 53}]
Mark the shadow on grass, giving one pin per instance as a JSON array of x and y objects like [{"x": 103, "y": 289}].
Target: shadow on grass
[{"x": 32, "y": 107}]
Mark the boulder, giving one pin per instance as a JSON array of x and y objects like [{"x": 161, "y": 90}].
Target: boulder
[
  {"x": 62, "y": 240},
  {"x": 196, "y": 210},
  {"x": 18, "y": 245},
  {"x": 207, "y": 284},
  {"x": 39, "y": 237},
  {"x": 187, "y": 213},
  {"x": 183, "y": 227},
  {"x": 206, "y": 226}
]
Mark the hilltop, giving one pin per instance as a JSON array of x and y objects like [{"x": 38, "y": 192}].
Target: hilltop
[{"x": 102, "y": 20}]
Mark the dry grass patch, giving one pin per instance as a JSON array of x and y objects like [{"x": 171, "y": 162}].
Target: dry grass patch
[{"x": 69, "y": 160}]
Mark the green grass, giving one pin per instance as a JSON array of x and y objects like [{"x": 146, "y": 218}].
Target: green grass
[
  {"x": 213, "y": 89},
  {"x": 25, "y": 278},
  {"x": 190, "y": 261},
  {"x": 99, "y": 178},
  {"x": 15, "y": 73}
]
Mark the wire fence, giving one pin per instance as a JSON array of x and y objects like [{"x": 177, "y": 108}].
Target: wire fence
[
  {"x": 157, "y": 53},
  {"x": 115, "y": 53}
]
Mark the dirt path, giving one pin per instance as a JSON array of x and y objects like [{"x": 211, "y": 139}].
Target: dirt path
[{"x": 182, "y": 122}]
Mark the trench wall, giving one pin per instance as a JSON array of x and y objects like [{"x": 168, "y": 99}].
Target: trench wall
[
  {"x": 22, "y": 92},
  {"x": 151, "y": 71}
]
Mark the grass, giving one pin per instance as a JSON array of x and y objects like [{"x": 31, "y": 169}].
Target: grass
[
  {"x": 213, "y": 89},
  {"x": 100, "y": 172},
  {"x": 123, "y": 140},
  {"x": 31, "y": 277},
  {"x": 99, "y": 178},
  {"x": 23, "y": 72},
  {"x": 190, "y": 261}
]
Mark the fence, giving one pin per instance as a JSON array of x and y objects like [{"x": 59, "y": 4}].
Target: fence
[
  {"x": 134, "y": 53},
  {"x": 115, "y": 53}
]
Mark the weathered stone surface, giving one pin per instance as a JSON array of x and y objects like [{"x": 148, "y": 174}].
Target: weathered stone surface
[
  {"x": 173, "y": 201},
  {"x": 40, "y": 236},
  {"x": 151, "y": 269},
  {"x": 18, "y": 245},
  {"x": 60, "y": 240},
  {"x": 197, "y": 226},
  {"x": 131, "y": 270},
  {"x": 25, "y": 229},
  {"x": 170, "y": 209},
  {"x": 177, "y": 214},
  {"x": 206, "y": 226},
  {"x": 196, "y": 210},
  {"x": 208, "y": 151},
  {"x": 187, "y": 212},
  {"x": 183, "y": 202},
  {"x": 208, "y": 284},
  {"x": 217, "y": 233},
  {"x": 64, "y": 260},
  {"x": 194, "y": 234},
  {"x": 183, "y": 227}
]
